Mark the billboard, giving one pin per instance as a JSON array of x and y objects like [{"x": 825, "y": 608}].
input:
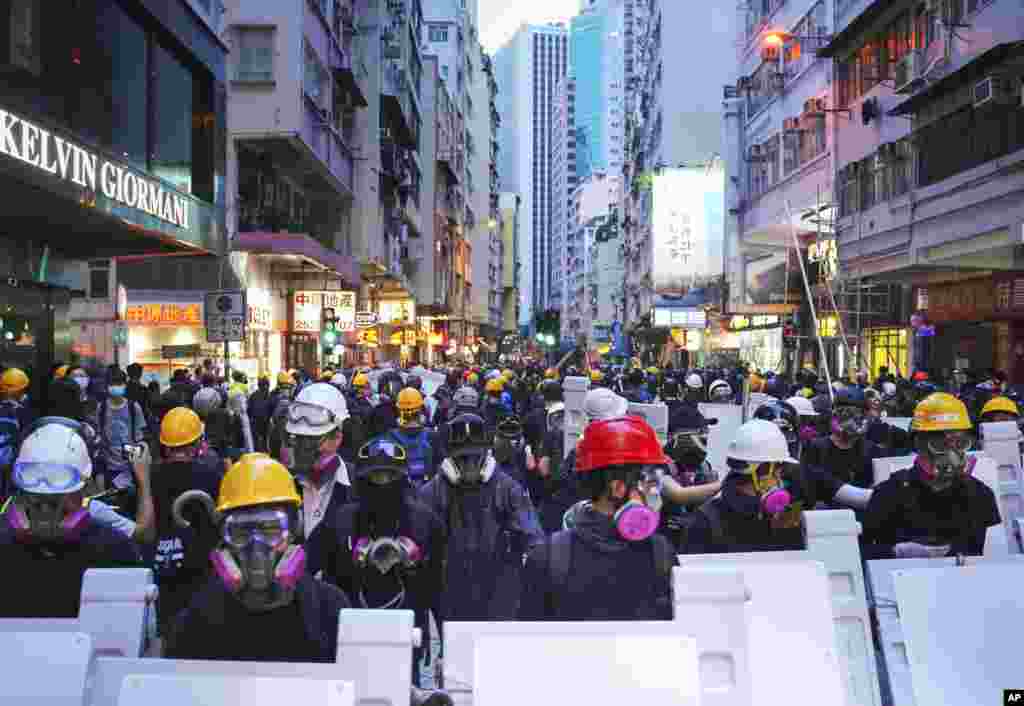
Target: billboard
[
  {"x": 687, "y": 225},
  {"x": 307, "y": 306}
]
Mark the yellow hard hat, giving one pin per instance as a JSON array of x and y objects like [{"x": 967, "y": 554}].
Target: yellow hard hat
[
  {"x": 326, "y": 375},
  {"x": 596, "y": 376},
  {"x": 551, "y": 374},
  {"x": 14, "y": 381},
  {"x": 410, "y": 400},
  {"x": 652, "y": 370},
  {"x": 940, "y": 411},
  {"x": 360, "y": 380},
  {"x": 756, "y": 383},
  {"x": 1000, "y": 404},
  {"x": 180, "y": 427},
  {"x": 238, "y": 388},
  {"x": 508, "y": 374},
  {"x": 495, "y": 385},
  {"x": 285, "y": 378},
  {"x": 806, "y": 392},
  {"x": 256, "y": 479},
  {"x": 60, "y": 372}
]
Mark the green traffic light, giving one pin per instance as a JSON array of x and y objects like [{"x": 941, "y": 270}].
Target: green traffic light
[{"x": 330, "y": 337}]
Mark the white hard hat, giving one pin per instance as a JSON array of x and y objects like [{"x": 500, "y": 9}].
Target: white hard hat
[
  {"x": 889, "y": 389},
  {"x": 317, "y": 410},
  {"x": 719, "y": 387},
  {"x": 760, "y": 441},
  {"x": 339, "y": 380},
  {"x": 205, "y": 401},
  {"x": 803, "y": 406},
  {"x": 693, "y": 380},
  {"x": 602, "y": 403},
  {"x": 53, "y": 460}
]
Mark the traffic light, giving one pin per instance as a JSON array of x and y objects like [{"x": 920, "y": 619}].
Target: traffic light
[
  {"x": 549, "y": 327},
  {"x": 328, "y": 331}
]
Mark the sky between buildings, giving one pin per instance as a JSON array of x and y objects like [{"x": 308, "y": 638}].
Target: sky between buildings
[{"x": 499, "y": 19}]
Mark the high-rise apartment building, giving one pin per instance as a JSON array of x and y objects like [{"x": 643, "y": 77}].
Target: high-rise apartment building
[
  {"x": 528, "y": 69},
  {"x": 563, "y": 182}
]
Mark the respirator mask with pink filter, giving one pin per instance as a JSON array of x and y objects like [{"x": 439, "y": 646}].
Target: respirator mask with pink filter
[
  {"x": 637, "y": 517},
  {"x": 771, "y": 495},
  {"x": 257, "y": 560}
]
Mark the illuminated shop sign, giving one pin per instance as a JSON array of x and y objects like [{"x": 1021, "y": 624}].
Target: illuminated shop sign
[
  {"x": 39, "y": 148},
  {"x": 164, "y": 315}
]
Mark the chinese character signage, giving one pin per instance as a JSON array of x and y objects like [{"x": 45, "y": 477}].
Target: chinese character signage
[
  {"x": 682, "y": 318},
  {"x": 397, "y": 312},
  {"x": 164, "y": 315},
  {"x": 687, "y": 228},
  {"x": 307, "y": 307}
]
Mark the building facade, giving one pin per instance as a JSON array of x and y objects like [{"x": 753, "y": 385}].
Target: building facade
[
  {"x": 509, "y": 204},
  {"x": 528, "y": 69},
  {"x": 114, "y": 113},
  {"x": 563, "y": 183},
  {"x": 593, "y": 203}
]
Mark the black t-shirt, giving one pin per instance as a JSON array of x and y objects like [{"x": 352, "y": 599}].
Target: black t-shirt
[
  {"x": 905, "y": 509},
  {"x": 45, "y": 580},
  {"x": 828, "y": 467}
]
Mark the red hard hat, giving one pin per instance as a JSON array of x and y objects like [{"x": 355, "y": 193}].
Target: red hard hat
[
  {"x": 920, "y": 375},
  {"x": 619, "y": 442}
]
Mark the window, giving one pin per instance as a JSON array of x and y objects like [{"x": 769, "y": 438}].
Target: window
[
  {"x": 25, "y": 47},
  {"x": 314, "y": 80},
  {"x": 254, "y": 54},
  {"x": 887, "y": 348},
  {"x": 437, "y": 33},
  {"x": 172, "y": 144},
  {"x": 444, "y": 71}
]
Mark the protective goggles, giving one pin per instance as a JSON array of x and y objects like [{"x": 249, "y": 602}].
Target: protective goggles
[
  {"x": 382, "y": 452},
  {"x": 47, "y": 478},
  {"x": 311, "y": 414},
  {"x": 691, "y": 438},
  {"x": 467, "y": 434},
  {"x": 510, "y": 429},
  {"x": 556, "y": 420},
  {"x": 951, "y": 441},
  {"x": 271, "y": 528}
]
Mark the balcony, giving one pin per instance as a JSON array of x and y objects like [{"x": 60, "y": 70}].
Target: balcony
[
  {"x": 344, "y": 75},
  {"x": 396, "y": 102},
  {"x": 322, "y": 139}
]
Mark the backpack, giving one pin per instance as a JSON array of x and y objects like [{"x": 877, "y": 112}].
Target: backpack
[
  {"x": 10, "y": 430},
  {"x": 278, "y": 419},
  {"x": 560, "y": 559},
  {"x": 418, "y": 451}
]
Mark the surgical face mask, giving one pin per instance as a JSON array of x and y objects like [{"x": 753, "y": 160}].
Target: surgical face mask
[{"x": 116, "y": 390}]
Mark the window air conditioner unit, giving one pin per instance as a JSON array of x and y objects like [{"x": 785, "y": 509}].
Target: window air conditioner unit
[{"x": 995, "y": 90}]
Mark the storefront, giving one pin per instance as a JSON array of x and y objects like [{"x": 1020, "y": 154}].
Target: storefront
[
  {"x": 263, "y": 350},
  {"x": 166, "y": 332}
]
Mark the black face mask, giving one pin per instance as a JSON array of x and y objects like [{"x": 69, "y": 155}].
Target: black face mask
[{"x": 505, "y": 449}]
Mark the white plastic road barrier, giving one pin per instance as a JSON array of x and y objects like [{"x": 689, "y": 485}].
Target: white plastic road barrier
[
  {"x": 961, "y": 625},
  {"x": 594, "y": 669},
  {"x": 730, "y": 418},
  {"x": 711, "y": 605},
  {"x": 756, "y": 400},
  {"x": 790, "y": 622},
  {"x": 181, "y": 690},
  {"x": 885, "y": 467},
  {"x": 109, "y": 673},
  {"x": 887, "y": 619},
  {"x": 44, "y": 668},
  {"x": 899, "y": 422},
  {"x": 831, "y": 539},
  {"x": 654, "y": 414},
  {"x": 1001, "y": 442},
  {"x": 574, "y": 389},
  {"x": 115, "y": 612},
  {"x": 375, "y": 653}
]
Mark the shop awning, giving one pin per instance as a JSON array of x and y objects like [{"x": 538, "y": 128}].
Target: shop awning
[
  {"x": 301, "y": 251},
  {"x": 974, "y": 68}
]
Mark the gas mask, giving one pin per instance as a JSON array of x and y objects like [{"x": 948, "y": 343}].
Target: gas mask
[
  {"x": 638, "y": 514},
  {"x": 505, "y": 449},
  {"x": 469, "y": 468},
  {"x": 43, "y": 518},
  {"x": 771, "y": 497},
  {"x": 386, "y": 553},
  {"x": 942, "y": 458},
  {"x": 849, "y": 423},
  {"x": 808, "y": 432},
  {"x": 257, "y": 561},
  {"x": 308, "y": 456}
]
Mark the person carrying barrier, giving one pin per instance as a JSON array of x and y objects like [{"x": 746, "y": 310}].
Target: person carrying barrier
[
  {"x": 761, "y": 502},
  {"x": 48, "y": 538},
  {"x": 611, "y": 565},
  {"x": 258, "y": 604},
  {"x": 490, "y": 524},
  {"x": 935, "y": 508},
  {"x": 384, "y": 549},
  {"x": 419, "y": 443},
  {"x": 179, "y": 558}
]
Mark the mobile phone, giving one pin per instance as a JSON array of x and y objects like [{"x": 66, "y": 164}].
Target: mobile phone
[{"x": 133, "y": 451}]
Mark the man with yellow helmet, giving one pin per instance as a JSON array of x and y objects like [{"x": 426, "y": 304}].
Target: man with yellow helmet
[
  {"x": 999, "y": 409},
  {"x": 935, "y": 508},
  {"x": 15, "y": 417},
  {"x": 259, "y": 604},
  {"x": 420, "y": 445},
  {"x": 494, "y": 408}
]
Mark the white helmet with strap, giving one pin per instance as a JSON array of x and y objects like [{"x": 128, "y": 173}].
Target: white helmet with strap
[{"x": 317, "y": 410}]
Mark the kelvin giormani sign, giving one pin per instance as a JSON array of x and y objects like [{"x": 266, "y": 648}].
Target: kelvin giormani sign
[{"x": 43, "y": 150}]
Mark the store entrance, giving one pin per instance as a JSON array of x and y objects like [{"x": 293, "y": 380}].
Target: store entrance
[{"x": 301, "y": 352}]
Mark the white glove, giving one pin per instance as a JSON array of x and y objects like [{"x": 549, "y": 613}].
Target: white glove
[
  {"x": 913, "y": 550},
  {"x": 852, "y": 496}
]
